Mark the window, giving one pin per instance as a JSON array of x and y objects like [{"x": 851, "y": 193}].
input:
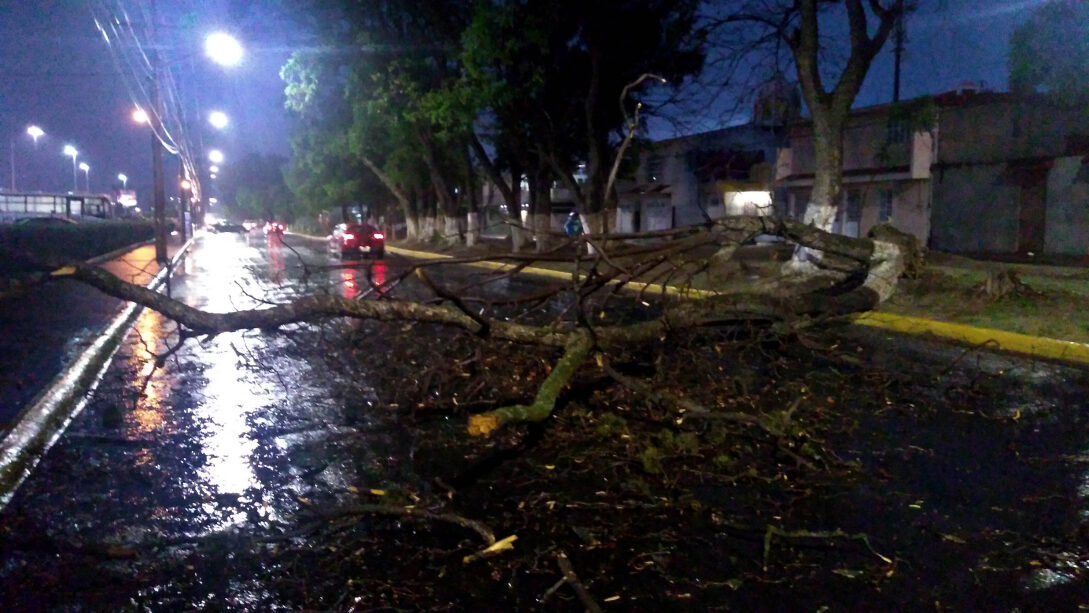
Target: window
[
  {"x": 854, "y": 205},
  {"x": 653, "y": 169},
  {"x": 897, "y": 131},
  {"x": 884, "y": 205}
]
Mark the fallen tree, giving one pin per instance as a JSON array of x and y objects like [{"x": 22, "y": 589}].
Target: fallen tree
[{"x": 858, "y": 275}]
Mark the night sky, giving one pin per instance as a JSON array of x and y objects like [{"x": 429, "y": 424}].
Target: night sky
[{"x": 57, "y": 72}]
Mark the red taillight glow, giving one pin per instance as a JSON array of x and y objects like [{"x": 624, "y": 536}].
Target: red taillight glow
[
  {"x": 347, "y": 237},
  {"x": 379, "y": 236}
]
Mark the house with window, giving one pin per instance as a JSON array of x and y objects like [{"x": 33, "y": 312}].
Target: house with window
[
  {"x": 966, "y": 171},
  {"x": 692, "y": 179},
  {"x": 888, "y": 152}
]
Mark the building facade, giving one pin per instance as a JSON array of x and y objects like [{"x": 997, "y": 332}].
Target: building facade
[
  {"x": 689, "y": 180},
  {"x": 887, "y": 163},
  {"x": 1011, "y": 176}
]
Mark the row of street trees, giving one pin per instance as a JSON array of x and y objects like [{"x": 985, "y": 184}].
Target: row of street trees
[{"x": 412, "y": 105}]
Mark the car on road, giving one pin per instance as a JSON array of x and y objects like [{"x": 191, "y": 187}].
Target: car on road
[
  {"x": 275, "y": 227},
  {"x": 226, "y": 226},
  {"x": 353, "y": 240}
]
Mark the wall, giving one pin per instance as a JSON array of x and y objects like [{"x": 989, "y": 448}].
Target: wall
[
  {"x": 975, "y": 209},
  {"x": 1067, "y": 222},
  {"x": 864, "y": 147},
  {"x": 977, "y": 194}
]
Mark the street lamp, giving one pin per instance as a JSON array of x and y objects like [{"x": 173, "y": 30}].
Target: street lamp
[
  {"x": 213, "y": 168},
  {"x": 86, "y": 168},
  {"x": 218, "y": 119},
  {"x": 124, "y": 180},
  {"x": 215, "y": 156},
  {"x": 70, "y": 150},
  {"x": 35, "y": 132},
  {"x": 139, "y": 115},
  {"x": 223, "y": 49}
]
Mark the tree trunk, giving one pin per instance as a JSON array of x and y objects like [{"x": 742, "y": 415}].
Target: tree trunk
[
  {"x": 472, "y": 233},
  {"x": 472, "y": 195},
  {"x": 593, "y": 224},
  {"x": 451, "y": 230},
  {"x": 828, "y": 174},
  {"x": 830, "y": 110},
  {"x": 542, "y": 230},
  {"x": 412, "y": 227},
  {"x": 540, "y": 205}
]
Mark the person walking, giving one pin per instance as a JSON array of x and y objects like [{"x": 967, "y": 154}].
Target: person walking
[{"x": 573, "y": 225}]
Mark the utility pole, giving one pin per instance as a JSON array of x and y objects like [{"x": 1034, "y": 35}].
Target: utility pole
[
  {"x": 184, "y": 190},
  {"x": 899, "y": 37},
  {"x": 13, "y": 164},
  {"x": 158, "y": 189}
]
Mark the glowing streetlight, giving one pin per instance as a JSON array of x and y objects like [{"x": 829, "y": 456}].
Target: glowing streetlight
[
  {"x": 213, "y": 200},
  {"x": 35, "y": 132},
  {"x": 124, "y": 180},
  {"x": 71, "y": 151},
  {"x": 213, "y": 175},
  {"x": 223, "y": 49},
  {"x": 86, "y": 168},
  {"x": 218, "y": 119},
  {"x": 213, "y": 168},
  {"x": 139, "y": 115},
  {"x": 215, "y": 156},
  {"x": 185, "y": 184}
]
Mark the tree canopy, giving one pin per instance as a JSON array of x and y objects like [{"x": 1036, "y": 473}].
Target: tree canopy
[{"x": 1050, "y": 52}]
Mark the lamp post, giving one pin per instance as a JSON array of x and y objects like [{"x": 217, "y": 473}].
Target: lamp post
[
  {"x": 123, "y": 178},
  {"x": 158, "y": 190},
  {"x": 184, "y": 197},
  {"x": 86, "y": 168},
  {"x": 71, "y": 151},
  {"x": 34, "y": 132}
]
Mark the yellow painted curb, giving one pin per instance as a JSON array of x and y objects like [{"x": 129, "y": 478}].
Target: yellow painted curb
[
  {"x": 998, "y": 339},
  {"x": 1038, "y": 346},
  {"x": 654, "y": 288}
]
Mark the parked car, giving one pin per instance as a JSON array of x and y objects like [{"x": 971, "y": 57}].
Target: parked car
[
  {"x": 274, "y": 227},
  {"x": 350, "y": 240}
]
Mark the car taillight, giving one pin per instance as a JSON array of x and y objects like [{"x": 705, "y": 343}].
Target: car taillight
[
  {"x": 347, "y": 237},
  {"x": 379, "y": 236}
]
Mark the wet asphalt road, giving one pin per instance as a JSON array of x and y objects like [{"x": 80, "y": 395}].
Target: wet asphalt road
[
  {"x": 230, "y": 436},
  {"x": 230, "y": 432},
  {"x": 43, "y": 327}
]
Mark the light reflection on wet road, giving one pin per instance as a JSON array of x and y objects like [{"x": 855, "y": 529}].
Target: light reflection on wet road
[{"x": 231, "y": 430}]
